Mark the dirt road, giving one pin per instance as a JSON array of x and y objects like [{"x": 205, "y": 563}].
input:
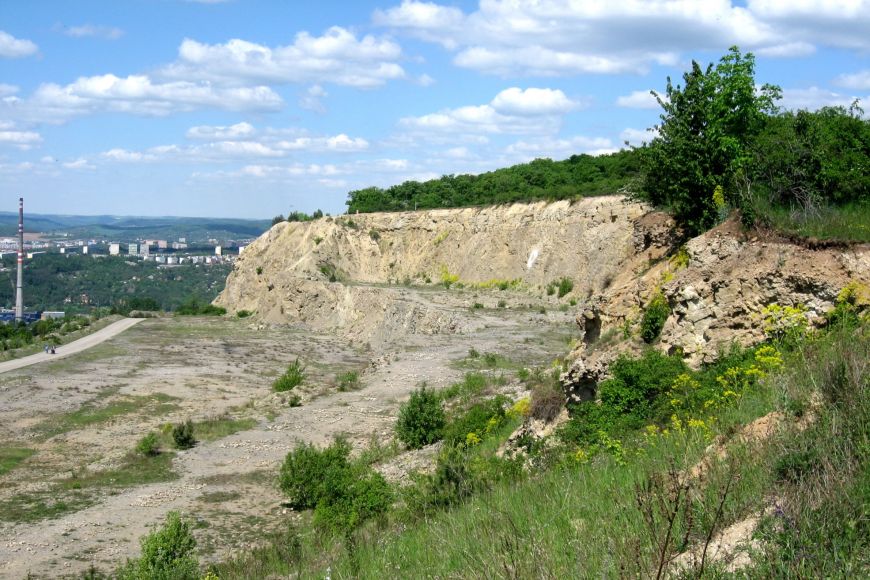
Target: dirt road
[{"x": 74, "y": 347}]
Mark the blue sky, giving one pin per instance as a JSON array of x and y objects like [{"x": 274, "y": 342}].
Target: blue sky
[{"x": 250, "y": 108}]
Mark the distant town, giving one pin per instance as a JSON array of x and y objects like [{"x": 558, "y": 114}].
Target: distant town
[{"x": 166, "y": 252}]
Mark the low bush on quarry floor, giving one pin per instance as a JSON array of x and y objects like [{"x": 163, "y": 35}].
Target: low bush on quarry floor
[{"x": 292, "y": 378}]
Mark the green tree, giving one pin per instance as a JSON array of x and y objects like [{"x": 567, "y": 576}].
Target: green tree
[{"x": 704, "y": 136}]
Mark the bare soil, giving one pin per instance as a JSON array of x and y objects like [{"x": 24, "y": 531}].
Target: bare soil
[{"x": 83, "y": 415}]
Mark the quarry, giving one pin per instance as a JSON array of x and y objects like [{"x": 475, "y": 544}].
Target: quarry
[{"x": 400, "y": 299}]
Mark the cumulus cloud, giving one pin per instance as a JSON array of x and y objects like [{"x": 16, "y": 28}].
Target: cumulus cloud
[
  {"x": 553, "y": 37},
  {"x": 139, "y": 95},
  {"x": 859, "y": 80},
  {"x": 93, "y": 31},
  {"x": 6, "y": 90},
  {"x": 128, "y": 156},
  {"x": 638, "y": 100},
  {"x": 11, "y": 47},
  {"x": 20, "y": 139},
  {"x": 239, "y": 142},
  {"x": 78, "y": 164},
  {"x": 533, "y": 102},
  {"x": 427, "y": 20},
  {"x": 637, "y": 137},
  {"x": 238, "y": 131},
  {"x": 513, "y": 110},
  {"x": 559, "y": 148},
  {"x": 813, "y": 98},
  {"x": 337, "y": 56},
  {"x": 312, "y": 99}
]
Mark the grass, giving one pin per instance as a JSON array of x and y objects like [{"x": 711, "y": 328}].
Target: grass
[
  {"x": 221, "y": 426},
  {"x": 486, "y": 361},
  {"x": 93, "y": 414},
  {"x": 82, "y": 488},
  {"x": 10, "y": 457},
  {"x": 849, "y": 223}
]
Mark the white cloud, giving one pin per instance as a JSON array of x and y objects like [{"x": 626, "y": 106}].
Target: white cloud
[
  {"x": 559, "y": 37},
  {"x": 337, "y": 57},
  {"x": 11, "y": 47},
  {"x": 513, "y": 110},
  {"x": 859, "y": 80},
  {"x": 6, "y": 90},
  {"x": 516, "y": 101},
  {"x": 128, "y": 156},
  {"x": 560, "y": 148},
  {"x": 814, "y": 98},
  {"x": 427, "y": 20},
  {"x": 139, "y": 95},
  {"x": 90, "y": 30},
  {"x": 20, "y": 139},
  {"x": 638, "y": 100},
  {"x": 79, "y": 164},
  {"x": 312, "y": 99},
  {"x": 637, "y": 137},
  {"x": 238, "y": 131}
]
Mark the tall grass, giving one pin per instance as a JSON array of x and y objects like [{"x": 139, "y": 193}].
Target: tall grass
[
  {"x": 848, "y": 223},
  {"x": 630, "y": 511}
]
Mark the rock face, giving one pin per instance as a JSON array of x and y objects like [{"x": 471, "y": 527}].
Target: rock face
[
  {"x": 336, "y": 272},
  {"x": 716, "y": 299}
]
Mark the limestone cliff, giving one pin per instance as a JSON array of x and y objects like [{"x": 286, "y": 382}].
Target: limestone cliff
[{"x": 335, "y": 272}]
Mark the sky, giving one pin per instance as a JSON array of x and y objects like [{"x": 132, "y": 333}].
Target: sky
[{"x": 254, "y": 108}]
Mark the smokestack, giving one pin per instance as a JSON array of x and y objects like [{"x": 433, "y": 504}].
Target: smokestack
[{"x": 19, "y": 289}]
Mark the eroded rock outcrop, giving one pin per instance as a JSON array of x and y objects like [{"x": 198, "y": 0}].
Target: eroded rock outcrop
[{"x": 346, "y": 272}]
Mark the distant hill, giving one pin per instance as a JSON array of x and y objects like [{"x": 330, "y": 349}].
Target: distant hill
[{"x": 131, "y": 227}]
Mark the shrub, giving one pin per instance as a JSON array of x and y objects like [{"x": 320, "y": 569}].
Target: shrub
[
  {"x": 343, "y": 494},
  {"x": 374, "y": 234},
  {"x": 292, "y": 377},
  {"x": 308, "y": 471},
  {"x": 348, "y": 381},
  {"x": 547, "y": 400},
  {"x": 182, "y": 435},
  {"x": 363, "y": 495},
  {"x": 479, "y": 419},
  {"x": 259, "y": 270},
  {"x": 421, "y": 419},
  {"x": 654, "y": 317},
  {"x": 167, "y": 553},
  {"x": 565, "y": 286},
  {"x": 149, "y": 445},
  {"x": 244, "y": 313}
]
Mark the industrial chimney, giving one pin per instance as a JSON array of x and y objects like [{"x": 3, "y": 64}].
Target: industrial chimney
[{"x": 19, "y": 290}]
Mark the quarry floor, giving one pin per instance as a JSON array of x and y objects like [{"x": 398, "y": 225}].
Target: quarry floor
[{"x": 81, "y": 416}]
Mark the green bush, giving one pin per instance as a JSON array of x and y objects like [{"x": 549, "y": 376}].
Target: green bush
[
  {"x": 363, "y": 494},
  {"x": 167, "y": 554},
  {"x": 565, "y": 286},
  {"x": 244, "y": 313},
  {"x": 307, "y": 472},
  {"x": 421, "y": 419},
  {"x": 343, "y": 494},
  {"x": 348, "y": 381},
  {"x": 182, "y": 435},
  {"x": 149, "y": 445},
  {"x": 629, "y": 399},
  {"x": 480, "y": 419},
  {"x": 292, "y": 377},
  {"x": 194, "y": 307},
  {"x": 654, "y": 317}
]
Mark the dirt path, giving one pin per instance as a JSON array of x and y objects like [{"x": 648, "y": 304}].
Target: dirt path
[
  {"x": 72, "y": 348},
  {"x": 211, "y": 367}
]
